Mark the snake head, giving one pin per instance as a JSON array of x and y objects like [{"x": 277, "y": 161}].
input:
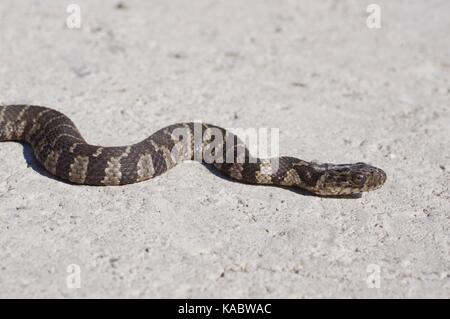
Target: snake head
[{"x": 348, "y": 179}]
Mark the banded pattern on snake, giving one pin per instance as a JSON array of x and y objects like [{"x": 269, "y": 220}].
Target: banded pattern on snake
[{"x": 60, "y": 148}]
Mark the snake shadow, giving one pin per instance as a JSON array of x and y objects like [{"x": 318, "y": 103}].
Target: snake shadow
[{"x": 32, "y": 162}]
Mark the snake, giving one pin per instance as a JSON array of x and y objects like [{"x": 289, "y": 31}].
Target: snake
[{"x": 60, "y": 148}]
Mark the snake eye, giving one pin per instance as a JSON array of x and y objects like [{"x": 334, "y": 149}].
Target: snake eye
[{"x": 359, "y": 179}]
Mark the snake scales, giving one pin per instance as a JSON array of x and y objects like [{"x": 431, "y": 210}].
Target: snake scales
[{"x": 61, "y": 149}]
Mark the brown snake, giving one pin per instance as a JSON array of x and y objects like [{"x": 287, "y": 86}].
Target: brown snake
[{"x": 60, "y": 148}]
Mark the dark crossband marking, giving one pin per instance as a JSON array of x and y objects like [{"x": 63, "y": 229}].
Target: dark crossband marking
[
  {"x": 60, "y": 136},
  {"x": 43, "y": 130}
]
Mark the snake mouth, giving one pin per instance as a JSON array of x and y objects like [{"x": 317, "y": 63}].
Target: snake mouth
[
  {"x": 378, "y": 178},
  {"x": 374, "y": 179}
]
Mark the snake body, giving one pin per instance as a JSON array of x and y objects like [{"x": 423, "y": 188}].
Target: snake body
[{"x": 60, "y": 148}]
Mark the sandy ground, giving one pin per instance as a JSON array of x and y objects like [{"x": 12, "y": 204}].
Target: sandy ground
[{"x": 337, "y": 90}]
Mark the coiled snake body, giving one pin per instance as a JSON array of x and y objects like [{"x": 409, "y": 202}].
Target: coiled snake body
[{"x": 61, "y": 149}]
